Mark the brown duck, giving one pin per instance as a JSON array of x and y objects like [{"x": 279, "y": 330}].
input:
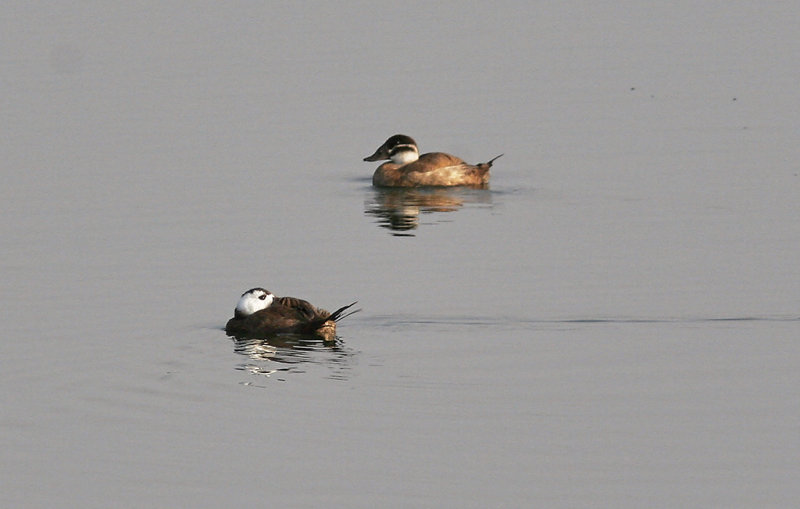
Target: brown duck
[{"x": 407, "y": 168}]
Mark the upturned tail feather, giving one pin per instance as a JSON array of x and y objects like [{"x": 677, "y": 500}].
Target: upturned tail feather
[
  {"x": 340, "y": 314},
  {"x": 490, "y": 161}
]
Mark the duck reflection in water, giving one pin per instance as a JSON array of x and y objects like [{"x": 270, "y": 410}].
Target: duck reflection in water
[
  {"x": 287, "y": 353},
  {"x": 399, "y": 209},
  {"x": 286, "y": 348}
]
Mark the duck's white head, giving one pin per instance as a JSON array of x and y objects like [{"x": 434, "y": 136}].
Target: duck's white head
[{"x": 253, "y": 300}]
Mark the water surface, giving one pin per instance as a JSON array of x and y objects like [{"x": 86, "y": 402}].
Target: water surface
[{"x": 613, "y": 323}]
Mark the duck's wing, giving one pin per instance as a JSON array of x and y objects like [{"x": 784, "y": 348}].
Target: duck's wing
[
  {"x": 433, "y": 161},
  {"x": 298, "y": 308}
]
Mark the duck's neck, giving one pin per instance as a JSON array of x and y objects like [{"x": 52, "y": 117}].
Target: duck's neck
[{"x": 404, "y": 154}]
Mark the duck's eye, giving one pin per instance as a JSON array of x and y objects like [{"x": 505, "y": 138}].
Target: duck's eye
[{"x": 262, "y": 296}]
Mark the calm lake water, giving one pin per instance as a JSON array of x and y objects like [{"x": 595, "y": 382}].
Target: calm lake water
[{"x": 614, "y": 323}]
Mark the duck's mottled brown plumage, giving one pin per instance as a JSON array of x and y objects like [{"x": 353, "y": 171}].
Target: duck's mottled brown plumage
[{"x": 432, "y": 169}]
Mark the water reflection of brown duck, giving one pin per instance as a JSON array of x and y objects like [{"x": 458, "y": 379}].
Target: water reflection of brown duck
[
  {"x": 399, "y": 208},
  {"x": 407, "y": 168},
  {"x": 260, "y": 314}
]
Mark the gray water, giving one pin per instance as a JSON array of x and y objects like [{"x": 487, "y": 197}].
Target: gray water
[{"x": 614, "y": 323}]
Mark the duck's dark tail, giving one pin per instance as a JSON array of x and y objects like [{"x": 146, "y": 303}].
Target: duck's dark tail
[
  {"x": 340, "y": 314},
  {"x": 495, "y": 158},
  {"x": 488, "y": 164}
]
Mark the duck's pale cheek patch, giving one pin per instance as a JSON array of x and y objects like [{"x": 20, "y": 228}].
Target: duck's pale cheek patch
[
  {"x": 250, "y": 303},
  {"x": 405, "y": 156}
]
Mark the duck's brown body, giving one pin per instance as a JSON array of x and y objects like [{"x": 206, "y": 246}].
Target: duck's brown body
[
  {"x": 286, "y": 315},
  {"x": 433, "y": 169},
  {"x": 406, "y": 169}
]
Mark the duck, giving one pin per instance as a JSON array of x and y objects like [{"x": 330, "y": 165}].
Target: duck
[
  {"x": 260, "y": 314},
  {"x": 407, "y": 168}
]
